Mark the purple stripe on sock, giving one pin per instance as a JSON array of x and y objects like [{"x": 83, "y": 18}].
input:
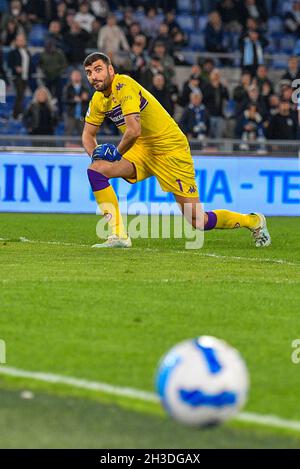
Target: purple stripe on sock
[
  {"x": 97, "y": 180},
  {"x": 211, "y": 222}
]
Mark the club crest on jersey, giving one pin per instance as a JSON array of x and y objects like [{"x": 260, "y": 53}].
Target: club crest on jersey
[
  {"x": 119, "y": 86},
  {"x": 192, "y": 189}
]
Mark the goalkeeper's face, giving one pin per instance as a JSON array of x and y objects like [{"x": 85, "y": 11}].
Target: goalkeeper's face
[{"x": 100, "y": 75}]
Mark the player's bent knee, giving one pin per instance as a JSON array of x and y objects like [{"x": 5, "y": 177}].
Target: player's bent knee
[{"x": 102, "y": 167}]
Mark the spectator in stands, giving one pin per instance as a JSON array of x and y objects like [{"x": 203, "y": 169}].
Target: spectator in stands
[
  {"x": 84, "y": 17},
  {"x": 273, "y": 106},
  {"x": 215, "y": 95},
  {"x": 153, "y": 68},
  {"x": 293, "y": 72},
  {"x": 151, "y": 22},
  {"x": 286, "y": 91},
  {"x": 62, "y": 17},
  {"x": 55, "y": 34},
  {"x": 75, "y": 44},
  {"x": 16, "y": 11},
  {"x": 266, "y": 92},
  {"x": 138, "y": 61},
  {"x": 214, "y": 34},
  {"x": 170, "y": 20},
  {"x": 76, "y": 100},
  {"x": 111, "y": 38},
  {"x": 2, "y": 71},
  {"x": 133, "y": 32},
  {"x": 195, "y": 119},
  {"x": 286, "y": 94},
  {"x": 292, "y": 19},
  {"x": 94, "y": 34},
  {"x": 253, "y": 9},
  {"x": 127, "y": 21},
  {"x": 197, "y": 69},
  {"x": 252, "y": 24},
  {"x": 161, "y": 92},
  {"x": 193, "y": 84},
  {"x": 163, "y": 37},
  {"x": 252, "y": 52},
  {"x": 179, "y": 42},
  {"x": 9, "y": 34},
  {"x": 100, "y": 9},
  {"x": 229, "y": 12},
  {"x": 250, "y": 126},
  {"x": 41, "y": 12},
  {"x": 166, "y": 61},
  {"x": 262, "y": 78},
  {"x": 72, "y": 4},
  {"x": 142, "y": 40},
  {"x": 253, "y": 97},
  {"x": 40, "y": 117},
  {"x": 283, "y": 125},
  {"x": 53, "y": 63},
  {"x": 207, "y": 68},
  {"x": 240, "y": 92},
  {"x": 20, "y": 64}
]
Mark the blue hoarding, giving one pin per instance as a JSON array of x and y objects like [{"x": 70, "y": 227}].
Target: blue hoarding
[{"x": 58, "y": 183}]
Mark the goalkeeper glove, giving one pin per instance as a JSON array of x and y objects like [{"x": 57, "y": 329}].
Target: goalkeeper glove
[{"x": 107, "y": 152}]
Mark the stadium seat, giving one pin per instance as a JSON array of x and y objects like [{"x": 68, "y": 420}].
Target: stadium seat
[
  {"x": 279, "y": 63},
  {"x": 37, "y": 35},
  {"x": 197, "y": 42},
  {"x": 273, "y": 46},
  {"x": 287, "y": 44},
  {"x": 202, "y": 22},
  {"x": 186, "y": 22},
  {"x": 60, "y": 129},
  {"x": 119, "y": 15},
  {"x": 185, "y": 6},
  {"x": 275, "y": 25}
]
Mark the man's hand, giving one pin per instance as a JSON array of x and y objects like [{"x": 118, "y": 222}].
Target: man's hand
[{"x": 107, "y": 152}]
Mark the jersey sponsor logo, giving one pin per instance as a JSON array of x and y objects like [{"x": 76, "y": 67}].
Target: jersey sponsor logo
[
  {"x": 192, "y": 189},
  {"x": 119, "y": 86},
  {"x": 115, "y": 114},
  {"x": 126, "y": 98}
]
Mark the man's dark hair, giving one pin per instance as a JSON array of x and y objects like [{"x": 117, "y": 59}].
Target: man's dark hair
[{"x": 91, "y": 58}]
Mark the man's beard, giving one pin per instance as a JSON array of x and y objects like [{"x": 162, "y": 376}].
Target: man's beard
[{"x": 102, "y": 86}]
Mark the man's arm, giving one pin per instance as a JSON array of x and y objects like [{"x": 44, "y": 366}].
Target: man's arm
[
  {"x": 131, "y": 134},
  {"x": 89, "y": 137}
]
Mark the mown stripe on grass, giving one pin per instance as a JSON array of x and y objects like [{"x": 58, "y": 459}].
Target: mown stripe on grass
[{"x": 247, "y": 417}]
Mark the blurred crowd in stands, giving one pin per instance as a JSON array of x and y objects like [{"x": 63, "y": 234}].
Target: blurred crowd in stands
[{"x": 44, "y": 42}]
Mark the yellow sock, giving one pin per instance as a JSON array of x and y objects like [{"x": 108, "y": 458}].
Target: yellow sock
[
  {"x": 109, "y": 205},
  {"x": 227, "y": 220}
]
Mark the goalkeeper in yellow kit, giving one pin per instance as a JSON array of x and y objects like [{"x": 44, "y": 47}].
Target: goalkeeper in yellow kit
[{"x": 151, "y": 144}]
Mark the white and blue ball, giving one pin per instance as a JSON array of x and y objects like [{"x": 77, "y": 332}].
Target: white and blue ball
[{"x": 202, "y": 382}]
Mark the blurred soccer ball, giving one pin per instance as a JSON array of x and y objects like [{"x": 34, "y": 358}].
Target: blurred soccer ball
[{"x": 202, "y": 382}]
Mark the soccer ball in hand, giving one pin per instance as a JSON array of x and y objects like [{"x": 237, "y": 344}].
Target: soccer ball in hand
[{"x": 202, "y": 382}]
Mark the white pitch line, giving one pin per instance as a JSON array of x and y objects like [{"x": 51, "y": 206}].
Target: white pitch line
[
  {"x": 201, "y": 254},
  {"x": 80, "y": 383},
  {"x": 257, "y": 259},
  {"x": 258, "y": 419}
]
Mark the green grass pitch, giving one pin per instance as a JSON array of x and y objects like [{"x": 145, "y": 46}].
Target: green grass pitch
[{"x": 109, "y": 315}]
